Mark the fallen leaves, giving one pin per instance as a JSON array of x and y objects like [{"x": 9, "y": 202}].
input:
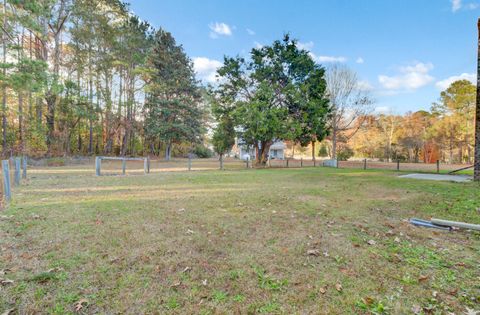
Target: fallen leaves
[
  {"x": 6, "y": 281},
  {"x": 339, "y": 287},
  {"x": 8, "y": 311},
  {"x": 80, "y": 304},
  {"x": 323, "y": 290},
  {"x": 422, "y": 278},
  {"x": 371, "y": 242},
  {"x": 313, "y": 252}
]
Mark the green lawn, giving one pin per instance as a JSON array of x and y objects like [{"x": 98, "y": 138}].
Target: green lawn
[{"x": 288, "y": 241}]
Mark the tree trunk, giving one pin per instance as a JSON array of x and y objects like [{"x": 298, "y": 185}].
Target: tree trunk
[
  {"x": 168, "y": 151},
  {"x": 334, "y": 143},
  {"x": 20, "y": 122},
  {"x": 313, "y": 150},
  {"x": 476, "y": 172},
  {"x": 4, "y": 88},
  {"x": 262, "y": 155},
  {"x": 90, "y": 137}
]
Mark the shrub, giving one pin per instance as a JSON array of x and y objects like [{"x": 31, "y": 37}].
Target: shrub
[{"x": 202, "y": 151}]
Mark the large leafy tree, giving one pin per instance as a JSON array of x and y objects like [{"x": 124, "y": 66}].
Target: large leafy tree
[
  {"x": 279, "y": 94},
  {"x": 173, "y": 111}
]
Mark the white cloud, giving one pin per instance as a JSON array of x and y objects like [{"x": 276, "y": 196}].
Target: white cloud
[
  {"x": 359, "y": 60},
  {"x": 327, "y": 59},
  {"x": 456, "y": 5},
  {"x": 364, "y": 85},
  {"x": 250, "y": 32},
  {"x": 206, "y": 68},
  {"x": 382, "y": 110},
  {"x": 257, "y": 45},
  {"x": 221, "y": 29},
  {"x": 444, "y": 84},
  {"x": 410, "y": 77},
  {"x": 306, "y": 46}
]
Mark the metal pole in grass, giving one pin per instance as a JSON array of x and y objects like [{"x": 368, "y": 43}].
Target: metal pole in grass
[
  {"x": 24, "y": 162},
  {"x": 287, "y": 162},
  {"x": 398, "y": 165},
  {"x": 365, "y": 164},
  {"x": 438, "y": 166},
  {"x": 301, "y": 162},
  {"x": 145, "y": 166},
  {"x": 17, "y": 171},
  {"x": 148, "y": 164},
  {"x": 6, "y": 180},
  {"x": 98, "y": 165},
  {"x": 221, "y": 162},
  {"x": 124, "y": 165},
  {"x": 189, "y": 162},
  {"x": 247, "y": 162}
]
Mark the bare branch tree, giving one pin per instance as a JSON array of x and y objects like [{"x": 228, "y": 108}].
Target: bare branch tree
[{"x": 350, "y": 102}]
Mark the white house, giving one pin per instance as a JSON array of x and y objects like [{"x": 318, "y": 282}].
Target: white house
[{"x": 244, "y": 151}]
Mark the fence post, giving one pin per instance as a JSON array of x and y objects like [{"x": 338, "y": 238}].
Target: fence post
[
  {"x": 124, "y": 166},
  {"x": 365, "y": 164},
  {"x": 98, "y": 165},
  {"x": 24, "y": 162},
  {"x": 148, "y": 164},
  {"x": 189, "y": 162},
  {"x": 301, "y": 162},
  {"x": 247, "y": 162},
  {"x": 398, "y": 165},
  {"x": 6, "y": 180},
  {"x": 17, "y": 171},
  {"x": 287, "y": 162},
  {"x": 221, "y": 162},
  {"x": 438, "y": 166},
  {"x": 145, "y": 166}
]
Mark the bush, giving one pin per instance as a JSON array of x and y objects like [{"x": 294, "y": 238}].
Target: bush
[
  {"x": 202, "y": 151},
  {"x": 344, "y": 153}
]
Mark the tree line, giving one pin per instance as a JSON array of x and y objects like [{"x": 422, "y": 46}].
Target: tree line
[
  {"x": 89, "y": 77},
  {"x": 445, "y": 132}
]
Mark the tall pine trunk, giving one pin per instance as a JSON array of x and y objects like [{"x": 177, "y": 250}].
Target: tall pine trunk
[{"x": 476, "y": 172}]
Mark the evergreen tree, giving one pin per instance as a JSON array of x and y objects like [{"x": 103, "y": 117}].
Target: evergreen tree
[{"x": 172, "y": 110}]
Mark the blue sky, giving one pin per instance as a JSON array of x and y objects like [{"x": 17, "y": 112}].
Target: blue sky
[{"x": 405, "y": 51}]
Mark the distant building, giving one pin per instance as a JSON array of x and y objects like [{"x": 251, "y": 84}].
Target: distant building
[{"x": 243, "y": 151}]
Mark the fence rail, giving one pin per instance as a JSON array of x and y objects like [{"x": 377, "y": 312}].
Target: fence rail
[{"x": 137, "y": 165}]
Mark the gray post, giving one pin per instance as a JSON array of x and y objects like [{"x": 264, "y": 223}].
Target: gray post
[
  {"x": 24, "y": 162},
  {"x": 17, "y": 171},
  {"x": 189, "y": 162},
  {"x": 145, "y": 166},
  {"x": 98, "y": 165},
  {"x": 124, "y": 166},
  {"x": 6, "y": 180},
  {"x": 398, "y": 165},
  {"x": 148, "y": 164},
  {"x": 301, "y": 162},
  {"x": 438, "y": 166},
  {"x": 365, "y": 164},
  {"x": 247, "y": 162},
  {"x": 314, "y": 162},
  {"x": 287, "y": 162}
]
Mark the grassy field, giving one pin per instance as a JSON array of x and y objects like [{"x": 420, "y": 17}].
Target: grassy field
[{"x": 287, "y": 241}]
